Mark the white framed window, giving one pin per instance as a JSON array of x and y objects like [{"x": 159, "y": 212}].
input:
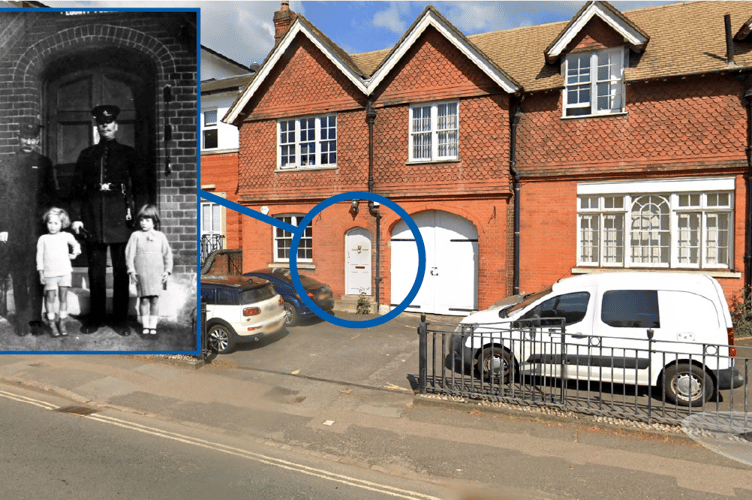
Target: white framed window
[
  {"x": 685, "y": 227},
  {"x": 434, "y": 131},
  {"x": 212, "y": 220},
  {"x": 210, "y": 130},
  {"x": 309, "y": 142},
  {"x": 594, "y": 83},
  {"x": 283, "y": 240}
]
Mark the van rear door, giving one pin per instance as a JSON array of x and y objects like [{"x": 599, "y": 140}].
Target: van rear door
[{"x": 625, "y": 318}]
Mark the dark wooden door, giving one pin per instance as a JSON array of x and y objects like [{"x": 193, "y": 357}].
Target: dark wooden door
[{"x": 70, "y": 127}]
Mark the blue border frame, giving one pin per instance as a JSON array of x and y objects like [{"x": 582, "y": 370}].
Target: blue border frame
[{"x": 198, "y": 170}]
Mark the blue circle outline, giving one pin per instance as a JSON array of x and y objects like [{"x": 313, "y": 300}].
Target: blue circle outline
[{"x": 298, "y": 234}]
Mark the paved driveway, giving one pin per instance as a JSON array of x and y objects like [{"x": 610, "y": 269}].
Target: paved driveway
[{"x": 381, "y": 356}]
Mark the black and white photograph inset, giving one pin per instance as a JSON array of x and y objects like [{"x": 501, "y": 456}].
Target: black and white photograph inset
[{"x": 98, "y": 167}]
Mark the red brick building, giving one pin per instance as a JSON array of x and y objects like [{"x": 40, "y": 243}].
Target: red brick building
[{"x": 612, "y": 141}]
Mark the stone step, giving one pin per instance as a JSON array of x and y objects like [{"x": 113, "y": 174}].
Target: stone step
[{"x": 349, "y": 303}]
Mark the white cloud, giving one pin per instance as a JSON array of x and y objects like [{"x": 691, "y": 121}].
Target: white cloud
[{"x": 391, "y": 18}]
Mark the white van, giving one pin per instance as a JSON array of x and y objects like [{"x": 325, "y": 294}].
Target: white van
[{"x": 646, "y": 328}]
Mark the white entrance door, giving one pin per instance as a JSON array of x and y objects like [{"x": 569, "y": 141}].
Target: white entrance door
[
  {"x": 450, "y": 285},
  {"x": 358, "y": 262}
]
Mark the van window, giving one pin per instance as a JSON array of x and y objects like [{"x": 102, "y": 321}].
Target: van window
[
  {"x": 631, "y": 309},
  {"x": 572, "y": 307}
]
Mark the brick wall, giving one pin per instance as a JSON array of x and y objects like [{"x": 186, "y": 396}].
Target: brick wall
[
  {"x": 682, "y": 124},
  {"x": 221, "y": 170},
  {"x": 489, "y": 216}
]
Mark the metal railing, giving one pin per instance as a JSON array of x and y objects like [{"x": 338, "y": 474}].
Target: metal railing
[
  {"x": 648, "y": 379},
  {"x": 209, "y": 244}
]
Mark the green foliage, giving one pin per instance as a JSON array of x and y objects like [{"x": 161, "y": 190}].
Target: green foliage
[
  {"x": 741, "y": 313},
  {"x": 364, "y": 306}
]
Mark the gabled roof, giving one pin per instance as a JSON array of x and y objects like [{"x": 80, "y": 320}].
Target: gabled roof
[
  {"x": 367, "y": 84},
  {"x": 685, "y": 39},
  {"x": 632, "y": 35},
  {"x": 431, "y": 17}
]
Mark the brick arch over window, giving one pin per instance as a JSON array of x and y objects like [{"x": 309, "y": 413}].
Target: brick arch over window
[{"x": 31, "y": 64}]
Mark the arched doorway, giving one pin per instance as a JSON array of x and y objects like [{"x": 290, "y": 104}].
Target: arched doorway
[{"x": 450, "y": 285}]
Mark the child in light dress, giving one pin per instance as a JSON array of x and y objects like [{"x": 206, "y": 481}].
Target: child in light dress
[
  {"x": 55, "y": 250},
  {"x": 149, "y": 260}
]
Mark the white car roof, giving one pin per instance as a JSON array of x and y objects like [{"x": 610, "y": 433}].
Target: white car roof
[{"x": 649, "y": 280}]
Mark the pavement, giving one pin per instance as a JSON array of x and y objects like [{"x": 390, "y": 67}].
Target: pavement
[{"x": 505, "y": 452}]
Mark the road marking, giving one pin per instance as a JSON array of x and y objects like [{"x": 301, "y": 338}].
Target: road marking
[
  {"x": 249, "y": 455},
  {"x": 24, "y": 399},
  {"x": 284, "y": 464}
]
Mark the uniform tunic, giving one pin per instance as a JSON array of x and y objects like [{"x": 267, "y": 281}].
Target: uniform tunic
[
  {"x": 104, "y": 212},
  {"x": 27, "y": 188},
  {"x": 148, "y": 254}
]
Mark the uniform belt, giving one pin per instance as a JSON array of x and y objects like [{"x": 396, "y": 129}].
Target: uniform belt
[{"x": 108, "y": 186}]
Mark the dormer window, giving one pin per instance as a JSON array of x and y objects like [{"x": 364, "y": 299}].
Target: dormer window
[{"x": 594, "y": 83}]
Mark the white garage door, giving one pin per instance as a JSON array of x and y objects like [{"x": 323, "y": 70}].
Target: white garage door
[{"x": 450, "y": 285}]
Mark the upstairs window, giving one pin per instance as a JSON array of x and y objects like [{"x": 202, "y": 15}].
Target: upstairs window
[
  {"x": 210, "y": 133},
  {"x": 594, "y": 83},
  {"x": 434, "y": 131},
  {"x": 307, "y": 142}
]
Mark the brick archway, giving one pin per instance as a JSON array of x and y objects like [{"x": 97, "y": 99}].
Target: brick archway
[{"x": 31, "y": 64}]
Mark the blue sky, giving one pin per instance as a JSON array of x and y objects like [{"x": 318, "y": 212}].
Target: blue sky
[{"x": 244, "y": 31}]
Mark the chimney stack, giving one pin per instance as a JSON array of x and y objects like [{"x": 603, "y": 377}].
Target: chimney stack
[{"x": 283, "y": 18}]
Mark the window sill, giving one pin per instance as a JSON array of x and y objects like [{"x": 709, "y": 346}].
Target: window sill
[
  {"x": 304, "y": 169},
  {"x": 206, "y": 152},
  {"x": 715, "y": 273},
  {"x": 432, "y": 162},
  {"x": 308, "y": 266},
  {"x": 604, "y": 115}
]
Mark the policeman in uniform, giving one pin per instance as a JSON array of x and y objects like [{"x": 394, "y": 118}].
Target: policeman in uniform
[
  {"x": 29, "y": 188},
  {"x": 107, "y": 181}
]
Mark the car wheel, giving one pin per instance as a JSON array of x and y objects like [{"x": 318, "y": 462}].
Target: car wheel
[
  {"x": 687, "y": 385},
  {"x": 291, "y": 314},
  {"x": 494, "y": 364},
  {"x": 221, "y": 339}
]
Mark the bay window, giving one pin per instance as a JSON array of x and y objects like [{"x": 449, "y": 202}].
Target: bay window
[{"x": 680, "y": 224}]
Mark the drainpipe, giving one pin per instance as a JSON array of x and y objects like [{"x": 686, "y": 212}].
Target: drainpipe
[
  {"x": 514, "y": 120},
  {"x": 729, "y": 41},
  {"x": 748, "y": 187},
  {"x": 373, "y": 207}
]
